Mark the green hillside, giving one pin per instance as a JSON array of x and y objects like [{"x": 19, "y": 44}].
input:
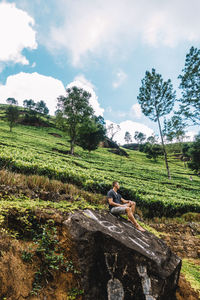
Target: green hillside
[{"x": 35, "y": 150}]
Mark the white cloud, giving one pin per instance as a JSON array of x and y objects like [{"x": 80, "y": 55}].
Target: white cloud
[
  {"x": 32, "y": 86},
  {"x": 189, "y": 136},
  {"x": 16, "y": 32},
  {"x": 120, "y": 78},
  {"x": 39, "y": 87},
  {"x": 81, "y": 82},
  {"x": 136, "y": 111},
  {"x": 131, "y": 127},
  {"x": 89, "y": 27}
]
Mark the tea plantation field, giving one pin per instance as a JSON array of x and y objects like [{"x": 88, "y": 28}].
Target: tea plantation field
[{"x": 33, "y": 150}]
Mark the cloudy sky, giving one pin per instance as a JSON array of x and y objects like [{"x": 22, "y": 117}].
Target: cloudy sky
[{"x": 103, "y": 46}]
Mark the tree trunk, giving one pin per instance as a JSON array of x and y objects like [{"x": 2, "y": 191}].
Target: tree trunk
[
  {"x": 164, "y": 150},
  {"x": 72, "y": 135},
  {"x": 72, "y": 147}
]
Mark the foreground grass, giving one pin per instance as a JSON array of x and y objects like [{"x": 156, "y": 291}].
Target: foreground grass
[{"x": 191, "y": 270}]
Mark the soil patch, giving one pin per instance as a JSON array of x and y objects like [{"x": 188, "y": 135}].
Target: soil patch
[{"x": 55, "y": 134}]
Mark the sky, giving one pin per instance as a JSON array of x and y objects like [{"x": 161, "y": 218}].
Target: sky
[{"x": 102, "y": 46}]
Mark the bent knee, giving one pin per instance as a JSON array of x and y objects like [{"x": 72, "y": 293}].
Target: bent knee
[
  {"x": 134, "y": 203},
  {"x": 128, "y": 209}
]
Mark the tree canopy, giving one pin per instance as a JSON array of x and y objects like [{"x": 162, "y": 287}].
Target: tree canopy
[
  {"x": 156, "y": 98},
  {"x": 12, "y": 115},
  {"x": 194, "y": 153},
  {"x": 74, "y": 109},
  {"x": 174, "y": 128},
  {"x": 41, "y": 107},
  {"x": 128, "y": 137},
  {"x": 190, "y": 86},
  {"x": 91, "y": 132},
  {"x": 29, "y": 104},
  {"x": 12, "y": 101},
  {"x": 139, "y": 137}
]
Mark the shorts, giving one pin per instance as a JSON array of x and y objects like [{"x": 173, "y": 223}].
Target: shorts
[{"x": 119, "y": 210}]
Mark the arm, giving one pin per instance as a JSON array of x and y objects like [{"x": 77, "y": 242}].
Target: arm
[
  {"x": 111, "y": 202},
  {"x": 125, "y": 201}
]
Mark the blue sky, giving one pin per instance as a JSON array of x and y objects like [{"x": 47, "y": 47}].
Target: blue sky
[{"x": 102, "y": 46}]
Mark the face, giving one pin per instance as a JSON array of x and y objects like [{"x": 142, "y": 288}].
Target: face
[{"x": 117, "y": 185}]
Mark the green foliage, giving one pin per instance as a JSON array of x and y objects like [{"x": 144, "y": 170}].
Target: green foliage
[
  {"x": 191, "y": 270},
  {"x": 73, "y": 293},
  {"x": 29, "y": 104},
  {"x": 41, "y": 107},
  {"x": 35, "y": 113},
  {"x": 91, "y": 133},
  {"x": 152, "y": 150},
  {"x": 143, "y": 180},
  {"x": 190, "y": 86},
  {"x": 27, "y": 256},
  {"x": 127, "y": 137},
  {"x": 174, "y": 128},
  {"x": 12, "y": 101},
  {"x": 75, "y": 109},
  {"x": 12, "y": 115},
  {"x": 139, "y": 137},
  {"x": 152, "y": 139},
  {"x": 50, "y": 254},
  {"x": 156, "y": 98},
  {"x": 194, "y": 153}
]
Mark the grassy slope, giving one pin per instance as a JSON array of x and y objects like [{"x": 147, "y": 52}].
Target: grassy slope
[
  {"x": 29, "y": 150},
  {"x": 192, "y": 273}
]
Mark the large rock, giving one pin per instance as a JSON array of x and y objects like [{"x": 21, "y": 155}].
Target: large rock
[{"x": 118, "y": 261}]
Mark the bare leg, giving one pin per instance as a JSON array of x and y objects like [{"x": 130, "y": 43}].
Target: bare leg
[
  {"x": 133, "y": 207},
  {"x": 132, "y": 219}
]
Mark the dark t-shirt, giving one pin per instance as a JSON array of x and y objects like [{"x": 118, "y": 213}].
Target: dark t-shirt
[{"x": 115, "y": 196}]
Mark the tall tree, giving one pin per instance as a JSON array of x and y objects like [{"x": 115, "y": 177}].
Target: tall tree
[
  {"x": 156, "y": 98},
  {"x": 30, "y": 104},
  {"x": 41, "y": 107},
  {"x": 12, "y": 115},
  {"x": 190, "y": 86},
  {"x": 152, "y": 139},
  {"x": 128, "y": 137},
  {"x": 12, "y": 101},
  {"x": 112, "y": 130},
  {"x": 75, "y": 109},
  {"x": 139, "y": 137}
]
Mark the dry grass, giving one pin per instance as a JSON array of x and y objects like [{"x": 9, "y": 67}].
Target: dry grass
[{"x": 42, "y": 183}]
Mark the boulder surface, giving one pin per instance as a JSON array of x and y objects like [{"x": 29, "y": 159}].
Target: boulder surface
[{"x": 117, "y": 261}]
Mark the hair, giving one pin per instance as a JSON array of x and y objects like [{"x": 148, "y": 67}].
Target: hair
[{"x": 114, "y": 182}]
